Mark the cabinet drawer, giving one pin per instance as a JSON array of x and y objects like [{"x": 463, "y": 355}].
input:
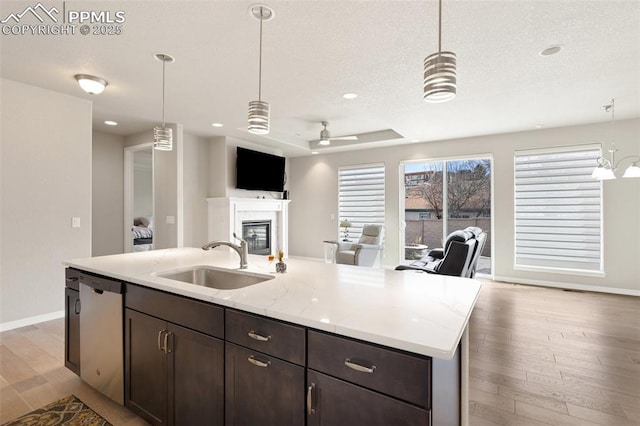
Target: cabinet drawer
[
  {"x": 388, "y": 371},
  {"x": 193, "y": 314},
  {"x": 268, "y": 336}
]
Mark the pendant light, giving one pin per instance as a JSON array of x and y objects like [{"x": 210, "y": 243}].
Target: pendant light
[
  {"x": 259, "y": 110},
  {"x": 163, "y": 135},
  {"x": 606, "y": 168},
  {"x": 440, "y": 71}
]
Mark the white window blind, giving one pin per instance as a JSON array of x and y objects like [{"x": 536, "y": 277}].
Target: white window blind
[
  {"x": 361, "y": 197},
  {"x": 558, "y": 209}
]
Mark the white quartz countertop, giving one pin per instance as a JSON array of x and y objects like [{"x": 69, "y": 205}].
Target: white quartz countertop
[{"x": 413, "y": 311}]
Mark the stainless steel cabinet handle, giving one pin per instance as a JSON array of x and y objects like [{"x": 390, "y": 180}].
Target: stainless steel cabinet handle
[
  {"x": 160, "y": 339},
  {"x": 166, "y": 347},
  {"x": 259, "y": 337},
  {"x": 358, "y": 367},
  {"x": 77, "y": 306},
  {"x": 253, "y": 360},
  {"x": 310, "y": 409}
]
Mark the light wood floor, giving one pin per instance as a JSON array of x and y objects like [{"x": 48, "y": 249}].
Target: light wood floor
[
  {"x": 538, "y": 357},
  {"x": 32, "y": 374},
  {"x": 542, "y": 356}
]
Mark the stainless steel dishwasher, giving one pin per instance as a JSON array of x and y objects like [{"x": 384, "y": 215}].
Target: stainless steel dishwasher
[{"x": 101, "y": 341}]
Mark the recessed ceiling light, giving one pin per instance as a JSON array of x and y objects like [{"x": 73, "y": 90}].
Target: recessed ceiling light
[
  {"x": 350, "y": 95},
  {"x": 111, "y": 123},
  {"x": 415, "y": 140},
  {"x": 539, "y": 126},
  {"x": 217, "y": 124},
  {"x": 314, "y": 152},
  {"x": 551, "y": 50}
]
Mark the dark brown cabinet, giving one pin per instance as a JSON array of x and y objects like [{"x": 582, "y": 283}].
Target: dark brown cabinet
[
  {"x": 262, "y": 390},
  {"x": 189, "y": 362},
  {"x": 174, "y": 375},
  {"x": 146, "y": 376},
  {"x": 352, "y": 382},
  {"x": 264, "y": 378},
  {"x": 72, "y": 320},
  {"x": 334, "y": 402}
]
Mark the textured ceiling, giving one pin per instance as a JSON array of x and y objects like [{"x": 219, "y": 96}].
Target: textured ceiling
[{"x": 314, "y": 51}]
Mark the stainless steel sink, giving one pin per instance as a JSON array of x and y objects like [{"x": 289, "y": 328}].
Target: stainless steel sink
[{"x": 218, "y": 278}]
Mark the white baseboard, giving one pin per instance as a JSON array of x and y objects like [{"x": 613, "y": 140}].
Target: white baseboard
[
  {"x": 569, "y": 286},
  {"x": 5, "y": 326}
]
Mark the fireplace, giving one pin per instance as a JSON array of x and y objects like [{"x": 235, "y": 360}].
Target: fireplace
[
  {"x": 226, "y": 216},
  {"x": 257, "y": 233}
]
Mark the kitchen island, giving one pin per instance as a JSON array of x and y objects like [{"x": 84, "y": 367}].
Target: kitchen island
[{"x": 394, "y": 328}]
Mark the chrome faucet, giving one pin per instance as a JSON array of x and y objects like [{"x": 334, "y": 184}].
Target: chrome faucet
[{"x": 242, "y": 249}]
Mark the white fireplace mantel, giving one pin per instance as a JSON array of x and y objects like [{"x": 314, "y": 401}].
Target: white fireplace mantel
[{"x": 225, "y": 216}]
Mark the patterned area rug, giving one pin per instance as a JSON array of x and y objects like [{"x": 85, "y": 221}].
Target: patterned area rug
[{"x": 67, "y": 411}]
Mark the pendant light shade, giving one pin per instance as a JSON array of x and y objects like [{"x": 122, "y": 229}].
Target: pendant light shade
[
  {"x": 440, "y": 77},
  {"x": 163, "y": 138},
  {"x": 259, "y": 117},
  {"x": 633, "y": 171},
  {"x": 440, "y": 80},
  {"x": 163, "y": 135}
]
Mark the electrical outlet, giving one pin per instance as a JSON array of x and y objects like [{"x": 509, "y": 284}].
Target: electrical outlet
[
  {"x": 75, "y": 222},
  {"x": 171, "y": 220},
  {"x": 333, "y": 216}
]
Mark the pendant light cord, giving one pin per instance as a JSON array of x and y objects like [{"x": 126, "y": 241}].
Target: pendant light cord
[
  {"x": 164, "y": 62},
  {"x": 613, "y": 118},
  {"x": 440, "y": 26},
  {"x": 260, "y": 63}
]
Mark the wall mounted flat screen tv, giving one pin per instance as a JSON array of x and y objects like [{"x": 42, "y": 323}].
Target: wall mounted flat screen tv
[{"x": 259, "y": 170}]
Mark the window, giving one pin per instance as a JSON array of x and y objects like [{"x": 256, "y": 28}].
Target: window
[
  {"x": 558, "y": 209},
  {"x": 361, "y": 197}
]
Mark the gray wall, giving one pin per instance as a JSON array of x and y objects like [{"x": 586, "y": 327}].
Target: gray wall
[
  {"x": 143, "y": 183},
  {"x": 45, "y": 181},
  {"x": 313, "y": 187},
  {"x": 107, "y": 201},
  {"x": 195, "y": 190},
  {"x": 165, "y": 193}
]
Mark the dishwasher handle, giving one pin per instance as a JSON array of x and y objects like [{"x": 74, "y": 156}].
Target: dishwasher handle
[{"x": 99, "y": 285}]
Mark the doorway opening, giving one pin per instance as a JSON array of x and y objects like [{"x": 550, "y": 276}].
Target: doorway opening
[
  {"x": 138, "y": 198},
  {"x": 441, "y": 196}
]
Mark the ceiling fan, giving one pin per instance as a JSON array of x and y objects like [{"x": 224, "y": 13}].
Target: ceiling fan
[{"x": 325, "y": 136}]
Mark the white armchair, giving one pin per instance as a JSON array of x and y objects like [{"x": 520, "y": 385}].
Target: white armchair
[{"x": 365, "y": 252}]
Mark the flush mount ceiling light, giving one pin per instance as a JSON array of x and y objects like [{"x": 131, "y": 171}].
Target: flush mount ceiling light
[
  {"x": 440, "y": 71},
  {"x": 605, "y": 170},
  {"x": 111, "y": 123},
  {"x": 350, "y": 95},
  {"x": 259, "y": 110},
  {"x": 217, "y": 124},
  {"x": 163, "y": 135},
  {"x": 91, "y": 84}
]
